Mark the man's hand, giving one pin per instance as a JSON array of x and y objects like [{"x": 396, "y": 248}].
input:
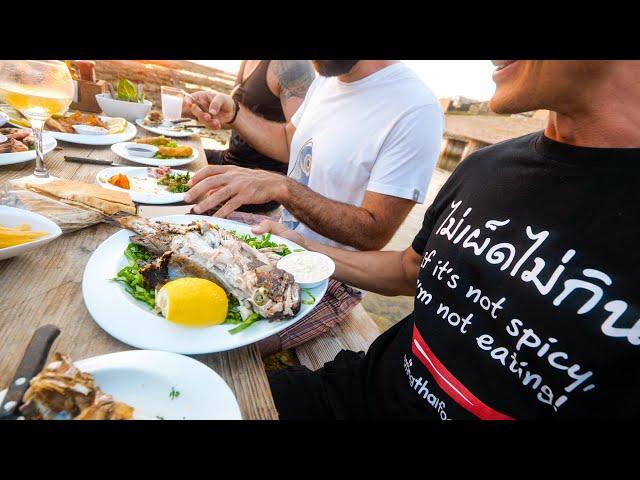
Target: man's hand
[
  {"x": 233, "y": 186},
  {"x": 270, "y": 226},
  {"x": 212, "y": 109}
]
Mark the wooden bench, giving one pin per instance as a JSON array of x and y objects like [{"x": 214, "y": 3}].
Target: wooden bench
[{"x": 356, "y": 333}]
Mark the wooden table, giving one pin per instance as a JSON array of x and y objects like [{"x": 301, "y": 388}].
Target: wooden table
[{"x": 44, "y": 286}]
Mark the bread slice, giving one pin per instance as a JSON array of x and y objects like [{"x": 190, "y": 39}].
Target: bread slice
[{"x": 95, "y": 197}]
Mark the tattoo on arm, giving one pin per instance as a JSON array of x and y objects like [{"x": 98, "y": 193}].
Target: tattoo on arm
[{"x": 294, "y": 77}]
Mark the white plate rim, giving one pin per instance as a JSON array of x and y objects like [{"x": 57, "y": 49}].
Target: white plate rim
[
  {"x": 163, "y": 131},
  {"x": 149, "y": 360},
  {"x": 55, "y": 232},
  {"x": 118, "y": 149},
  {"x": 148, "y": 198},
  {"x": 121, "y": 305},
  {"x": 49, "y": 143}
]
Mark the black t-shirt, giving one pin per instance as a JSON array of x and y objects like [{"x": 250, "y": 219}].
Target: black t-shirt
[{"x": 528, "y": 300}]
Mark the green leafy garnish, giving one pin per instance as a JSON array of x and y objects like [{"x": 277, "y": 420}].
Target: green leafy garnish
[
  {"x": 131, "y": 277},
  {"x": 308, "y": 292},
  {"x": 175, "y": 182},
  {"x": 251, "y": 319},
  {"x": 128, "y": 92},
  {"x": 262, "y": 242},
  {"x": 173, "y": 394},
  {"x": 233, "y": 314}
]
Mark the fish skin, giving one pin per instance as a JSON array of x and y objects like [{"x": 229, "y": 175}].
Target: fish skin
[{"x": 204, "y": 250}]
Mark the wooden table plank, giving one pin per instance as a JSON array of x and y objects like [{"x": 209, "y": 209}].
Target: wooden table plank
[{"x": 45, "y": 286}]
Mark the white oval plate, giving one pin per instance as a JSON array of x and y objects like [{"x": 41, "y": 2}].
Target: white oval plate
[
  {"x": 164, "y": 131},
  {"x": 139, "y": 197},
  {"x": 12, "y": 217},
  {"x": 121, "y": 150},
  {"x": 49, "y": 144},
  {"x": 108, "y": 139},
  {"x": 132, "y": 322},
  {"x": 144, "y": 379}
]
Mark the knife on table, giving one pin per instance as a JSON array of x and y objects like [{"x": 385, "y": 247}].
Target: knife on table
[
  {"x": 31, "y": 364},
  {"x": 94, "y": 161}
]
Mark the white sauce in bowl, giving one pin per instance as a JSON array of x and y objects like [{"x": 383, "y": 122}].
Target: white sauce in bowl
[{"x": 307, "y": 267}]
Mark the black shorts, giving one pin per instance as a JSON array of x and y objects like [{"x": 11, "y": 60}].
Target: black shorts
[
  {"x": 216, "y": 157},
  {"x": 334, "y": 392}
]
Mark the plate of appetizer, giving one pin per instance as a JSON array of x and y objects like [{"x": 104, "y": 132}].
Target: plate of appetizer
[
  {"x": 151, "y": 185},
  {"x": 22, "y": 231},
  {"x": 90, "y": 129},
  {"x": 17, "y": 145},
  {"x": 155, "y": 151},
  {"x": 193, "y": 284},
  {"x": 131, "y": 385},
  {"x": 154, "y": 122}
]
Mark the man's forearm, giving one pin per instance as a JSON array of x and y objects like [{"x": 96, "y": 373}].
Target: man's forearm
[
  {"x": 341, "y": 222},
  {"x": 379, "y": 272},
  {"x": 267, "y": 137}
]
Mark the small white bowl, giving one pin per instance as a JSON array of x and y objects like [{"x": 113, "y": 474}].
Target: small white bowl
[
  {"x": 321, "y": 277},
  {"x": 141, "y": 149},
  {"x": 120, "y": 108},
  {"x": 11, "y": 217},
  {"x": 90, "y": 130}
]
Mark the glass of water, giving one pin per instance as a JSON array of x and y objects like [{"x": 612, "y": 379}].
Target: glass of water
[{"x": 171, "y": 102}]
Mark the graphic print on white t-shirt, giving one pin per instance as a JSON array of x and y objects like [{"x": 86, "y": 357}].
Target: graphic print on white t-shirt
[
  {"x": 379, "y": 134},
  {"x": 300, "y": 173}
]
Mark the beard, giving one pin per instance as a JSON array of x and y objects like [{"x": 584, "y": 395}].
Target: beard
[{"x": 333, "y": 68}]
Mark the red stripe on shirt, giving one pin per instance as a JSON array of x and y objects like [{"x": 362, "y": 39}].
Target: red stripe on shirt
[{"x": 450, "y": 384}]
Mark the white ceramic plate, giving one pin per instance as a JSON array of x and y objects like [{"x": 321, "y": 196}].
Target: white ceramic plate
[
  {"x": 12, "y": 217},
  {"x": 165, "y": 131},
  {"x": 121, "y": 150},
  {"x": 132, "y": 321},
  {"x": 108, "y": 139},
  {"x": 144, "y": 379},
  {"x": 49, "y": 144},
  {"x": 160, "y": 198}
]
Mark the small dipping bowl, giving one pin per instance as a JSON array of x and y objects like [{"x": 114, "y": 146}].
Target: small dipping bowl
[
  {"x": 141, "y": 149},
  {"x": 90, "y": 130},
  {"x": 309, "y": 269}
]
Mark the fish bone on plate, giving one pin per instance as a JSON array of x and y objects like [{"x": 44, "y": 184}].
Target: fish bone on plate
[
  {"x": 161, "y": 385},
  {"x": 135, "y": 323},
  {"x": 143, "y": 183}
]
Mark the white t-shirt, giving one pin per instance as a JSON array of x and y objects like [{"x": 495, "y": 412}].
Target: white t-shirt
[{"x": 381, "y": 133}]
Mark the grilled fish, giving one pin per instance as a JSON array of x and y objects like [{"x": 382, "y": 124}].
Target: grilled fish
[
  {"x": 204, "y": 250},
  {"x": 62, "y": 392}
]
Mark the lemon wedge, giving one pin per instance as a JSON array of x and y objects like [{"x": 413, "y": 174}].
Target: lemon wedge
[
  {"x": 115, "y": 125},
  {"x": 194, "y": 302}
]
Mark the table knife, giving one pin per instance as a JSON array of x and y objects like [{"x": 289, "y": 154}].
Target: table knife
[
  {"x": 31, "y": 364},
  {"x": 95, "y": 161}
]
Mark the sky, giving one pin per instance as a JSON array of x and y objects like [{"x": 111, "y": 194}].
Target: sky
[{"x": 446, "y": 78}]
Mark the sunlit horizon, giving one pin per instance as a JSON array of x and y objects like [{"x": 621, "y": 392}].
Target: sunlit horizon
[{"x": 446, "y": 78}]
